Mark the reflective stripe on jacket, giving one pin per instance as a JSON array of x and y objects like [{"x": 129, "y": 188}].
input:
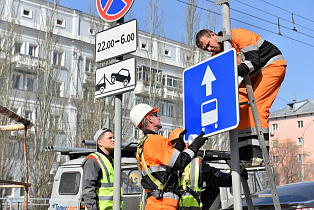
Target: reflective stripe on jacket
[
  {"x": 104, "y": 187},
  {"x": 190, "y": 179}
]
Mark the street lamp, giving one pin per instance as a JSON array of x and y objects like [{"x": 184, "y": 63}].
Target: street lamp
[{"x": 302, "y": 156}]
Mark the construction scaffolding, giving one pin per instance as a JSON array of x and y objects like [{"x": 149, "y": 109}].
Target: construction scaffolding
[{"x": 25, "y": 124}]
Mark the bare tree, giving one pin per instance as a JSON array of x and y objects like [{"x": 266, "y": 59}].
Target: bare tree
[{"x": 286, "y": 162}]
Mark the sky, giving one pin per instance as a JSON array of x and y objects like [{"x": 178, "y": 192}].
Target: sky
[{"x": 259, "y": 16}]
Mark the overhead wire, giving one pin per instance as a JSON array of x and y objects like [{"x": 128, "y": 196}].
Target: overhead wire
[
  {"x": 246, "y": 23},
  {"x": 287, "y": 10},
  {"x": 274, "y": 15},
  {"x": 267, "y": 21}
]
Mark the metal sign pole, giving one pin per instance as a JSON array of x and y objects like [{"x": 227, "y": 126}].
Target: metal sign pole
[
  {"x": 233, "y": 134},
  {"x": 117, "y": 152},
  {"x": 117, "y": 144}
]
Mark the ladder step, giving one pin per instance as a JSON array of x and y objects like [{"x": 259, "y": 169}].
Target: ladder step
[{"x": 260, "y": 196}]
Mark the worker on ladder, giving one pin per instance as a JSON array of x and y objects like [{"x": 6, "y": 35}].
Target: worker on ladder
[
  {"x": 158, "y": 161},
  {"x": 266, "y": 67},
  {"x": 200, "y": 182}
]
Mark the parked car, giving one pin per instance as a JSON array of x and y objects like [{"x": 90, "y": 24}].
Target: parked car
[
  {"x": 291, "y": 196},
  {"x": 122, "y": 76}
]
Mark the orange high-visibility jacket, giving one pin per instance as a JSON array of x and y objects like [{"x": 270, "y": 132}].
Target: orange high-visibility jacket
[
  {"x": 258, "y": 52},
  {"x": 162, "y": 160}
]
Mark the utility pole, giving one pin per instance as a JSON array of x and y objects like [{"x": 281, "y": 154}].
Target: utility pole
[{"x": 233, "y": 134}]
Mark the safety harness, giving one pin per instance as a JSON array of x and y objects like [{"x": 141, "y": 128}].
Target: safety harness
[{"x": 161, "y": 188}]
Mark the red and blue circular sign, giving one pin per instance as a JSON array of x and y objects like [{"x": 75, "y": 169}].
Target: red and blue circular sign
[{"x": 112, "y": 10}]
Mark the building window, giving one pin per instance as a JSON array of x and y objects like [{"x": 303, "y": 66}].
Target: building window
[
  {"x": 17, "y": 47},
  {"x": 187, "y": 58},
  {"x": 143, "y": 46},
  {"x": 275, "y": 127},
  {"x": 30, "y": 83},
  {"x": 58, "y": 58},
  {"x": 299, "y": 141},
  {"x": 174, "y": 82},
  {"x": 300, "y": 157},
  {"x": 32, "y": 50},
  {"x": 56, "y": 91},
  {"x": 275, "y": 143},
  {"x": 16, "y": 81},
  {"x": 300, "y": 124},
  {"x": 28, "y": 114},
  {"x": 91, "y": 31},
  {"x": 170, "y": 111},
  {"x": 89, "y": 65},
  {"x": 60, "y": 23},
  {"x": 55, "y": 122},
  {"x": 275, "y": 159},
  {"x": 162, "y": 108},
  {"x": 160, "y": 132},
  {"x": 167, "y": 53},
  {"x": 27, "y": 13}
]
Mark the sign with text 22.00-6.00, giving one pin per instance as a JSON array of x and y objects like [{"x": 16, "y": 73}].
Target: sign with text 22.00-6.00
[
  {"x": 119, "y": 40},
  {"x": 112, "y": 10}
]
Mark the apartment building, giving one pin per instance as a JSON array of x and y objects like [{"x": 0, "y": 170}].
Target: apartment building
[
  {"x": 51, "y": 51},
  {"x": 294, "y": 122}
]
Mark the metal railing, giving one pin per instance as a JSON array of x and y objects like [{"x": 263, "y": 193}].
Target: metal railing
[{"x": 18, "y": 203}]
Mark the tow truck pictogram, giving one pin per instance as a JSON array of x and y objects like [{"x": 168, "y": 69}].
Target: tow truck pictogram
[{"x": 122, "y": 76}]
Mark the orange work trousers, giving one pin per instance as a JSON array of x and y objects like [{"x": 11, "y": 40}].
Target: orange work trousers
[
  {"x": 163, "y": 203},
  {"x": 265, "y": 87}
]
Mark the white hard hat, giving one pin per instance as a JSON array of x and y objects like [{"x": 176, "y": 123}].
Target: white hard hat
[{"x": 139, "y": 112}]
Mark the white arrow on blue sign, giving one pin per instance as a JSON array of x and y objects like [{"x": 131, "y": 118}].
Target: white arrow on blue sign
[{"x": 211, "y": 96}]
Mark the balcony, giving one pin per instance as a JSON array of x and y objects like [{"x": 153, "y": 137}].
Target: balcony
[{"x": 26, "y": 61}]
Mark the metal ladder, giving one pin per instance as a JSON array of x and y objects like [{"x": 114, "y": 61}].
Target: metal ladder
[
  {"x": 226, "y": 23},
  {"x": 262, "y": 144}
]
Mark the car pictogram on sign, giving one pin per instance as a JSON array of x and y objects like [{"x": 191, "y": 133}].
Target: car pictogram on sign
[{"x": 122, "y": 76}]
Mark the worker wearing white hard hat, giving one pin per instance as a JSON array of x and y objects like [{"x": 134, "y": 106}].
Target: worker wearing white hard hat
[{"x": 157, "y": 159}]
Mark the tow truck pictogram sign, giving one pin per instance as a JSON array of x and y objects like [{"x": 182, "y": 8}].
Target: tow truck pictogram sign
[
  {"x": 112, "y": 10},
  {"x": 115, "y": 78}
]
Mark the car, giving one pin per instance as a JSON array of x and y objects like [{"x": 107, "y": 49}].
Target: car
[
  {"x": 291, "y": 196},
  {"x": 122, "y": 76}
]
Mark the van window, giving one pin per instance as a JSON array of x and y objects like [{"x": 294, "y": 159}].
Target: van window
[
  {"x": 69, "y": 183},
  {"x": 131, "y": 181}
]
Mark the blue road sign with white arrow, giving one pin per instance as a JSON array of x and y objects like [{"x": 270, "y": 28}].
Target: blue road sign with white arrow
[{"x": 211, "y": 96}]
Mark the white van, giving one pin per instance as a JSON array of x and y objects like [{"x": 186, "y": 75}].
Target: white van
[{"x": 67, "y": 185}]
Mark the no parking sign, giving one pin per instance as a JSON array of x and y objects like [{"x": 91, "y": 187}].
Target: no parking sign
[{"x": 112, "y": 10}]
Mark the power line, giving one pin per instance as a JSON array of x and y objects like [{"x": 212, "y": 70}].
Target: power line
[
  {"x": 267, "y": 21},
  {"x": 287, "y": 11},
  {"x": 275, "y": 15},
  {"x": 246, "y": 23}
]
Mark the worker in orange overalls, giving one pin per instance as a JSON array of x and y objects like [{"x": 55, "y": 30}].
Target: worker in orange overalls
[
  {"x": 266, "y": 67},
  {"x": 158, "y": 161}
]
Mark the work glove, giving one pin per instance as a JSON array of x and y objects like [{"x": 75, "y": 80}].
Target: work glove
[
  {"x": 180, "y": 145},
  {"x": 198, "y": 142}
]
